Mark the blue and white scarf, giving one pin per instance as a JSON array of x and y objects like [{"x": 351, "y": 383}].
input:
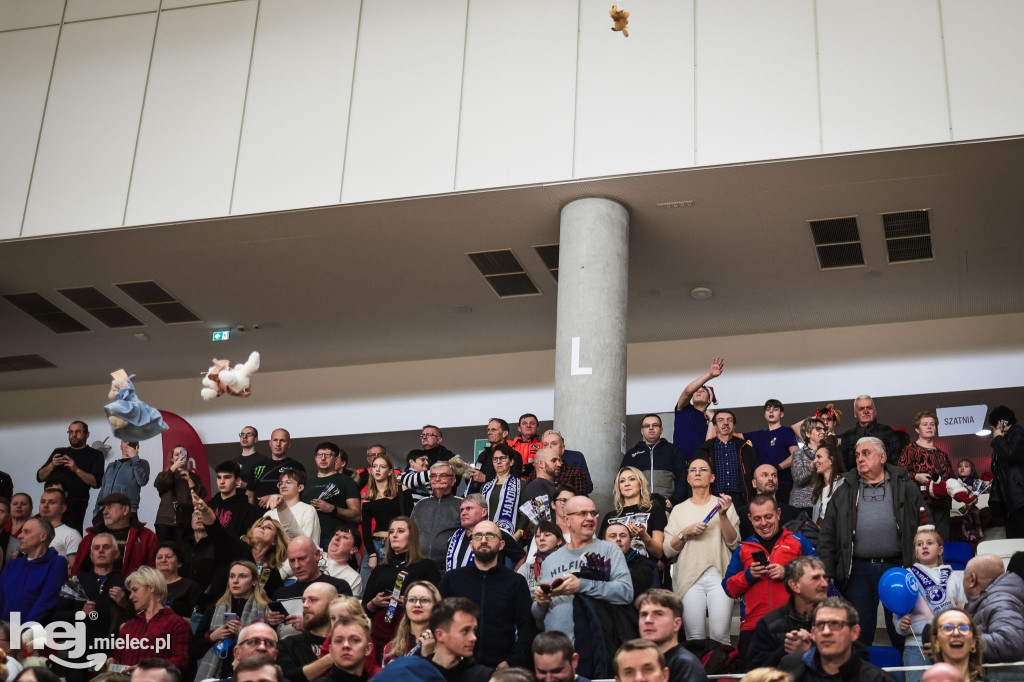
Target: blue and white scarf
[
  {"x": 452, "y": 560},
  {"x": 936, "y": 594},
  {"x": 508, "y": 507}
]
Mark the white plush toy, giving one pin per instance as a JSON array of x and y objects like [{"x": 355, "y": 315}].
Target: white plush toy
[{"x": 222, "y": 378}]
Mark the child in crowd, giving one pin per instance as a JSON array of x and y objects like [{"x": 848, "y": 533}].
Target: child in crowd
[{"x": 940, "y": 587}]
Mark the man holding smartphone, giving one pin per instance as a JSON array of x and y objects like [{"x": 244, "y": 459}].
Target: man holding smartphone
[
  {"x": 79, "y": 467},
  {"x": 758, "y": 566}
]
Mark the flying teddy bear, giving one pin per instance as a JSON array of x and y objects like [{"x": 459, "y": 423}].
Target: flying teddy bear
[
  {"x": 131, "y": 419},
  {"x": 221, "y": 378},
  {"x": 621, "y": 19}
]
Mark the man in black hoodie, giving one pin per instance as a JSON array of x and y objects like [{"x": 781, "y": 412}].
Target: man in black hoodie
[
  {"x": 350, "y": 642},
  {"x": 453, "y": 623}
]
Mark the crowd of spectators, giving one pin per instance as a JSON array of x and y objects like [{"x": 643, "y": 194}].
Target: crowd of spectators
[{"x": 429, "y": 566}]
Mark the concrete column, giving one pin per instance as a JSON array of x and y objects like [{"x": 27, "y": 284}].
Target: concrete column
[{"x": 590, "y": 337}]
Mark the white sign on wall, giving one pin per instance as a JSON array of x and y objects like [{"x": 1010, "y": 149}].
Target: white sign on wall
[{"x": 959, "y": 421}]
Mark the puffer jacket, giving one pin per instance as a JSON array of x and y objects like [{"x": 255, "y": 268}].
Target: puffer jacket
[
  {"x": 761, "y": 595},
  {"x": 835, "y": 543},
  {"x": 664, "y": 466},
  {"x": 999, "y": 613}
]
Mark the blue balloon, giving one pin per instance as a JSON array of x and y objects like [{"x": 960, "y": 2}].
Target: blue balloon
[{"x": 898, "y": 589}]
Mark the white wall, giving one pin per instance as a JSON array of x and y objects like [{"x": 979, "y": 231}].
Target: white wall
[
  {"x": 812, "y": 366},
  {"x": 206, "y": 109}
]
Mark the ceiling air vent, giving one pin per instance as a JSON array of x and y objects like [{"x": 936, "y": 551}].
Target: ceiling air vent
[
  {"x": 46, "y": 313},
  {"x": 95, "y": 302},
  {"x": 504, "y": 273},
  {"x": 549, "y": 255},
  {"x": 156, "y": 300},
  {"x": 908, "y": 236},
  {"x": 20, "y": 363},
  {"x": 837, "y": 242}
]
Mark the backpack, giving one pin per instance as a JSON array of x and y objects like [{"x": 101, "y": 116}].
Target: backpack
[{"x": 717, "y": 658}]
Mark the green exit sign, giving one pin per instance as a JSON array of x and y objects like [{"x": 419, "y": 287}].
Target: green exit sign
[{"x": 222, "y": 336}]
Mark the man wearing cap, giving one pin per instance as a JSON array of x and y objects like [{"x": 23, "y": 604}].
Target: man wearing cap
[{"x": 137, "y": 544}]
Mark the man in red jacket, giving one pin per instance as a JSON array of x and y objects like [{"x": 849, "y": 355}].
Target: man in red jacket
[
  {"x": 136, "y": 542},
  {"x": 758, "y": 565}
]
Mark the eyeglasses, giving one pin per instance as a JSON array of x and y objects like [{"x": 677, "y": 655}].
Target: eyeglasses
[
  {"x": 442, "y": 476},
  {"x": 428, "y": 435},
  {"x": 256, "y": 641},
  {"x": 585, "y": 512},
  {"x": 950, "y": 628},
  {"x": 702, "y": 470},
  {"x": 247, "y": 435},
  {"x": 650, "y": 426},
  {"x": 833, "y": 625},
  {"x": 326, "y": 454},
  {"x": 561, "y": 500},
  {"x": 873, "y": 493},
  {"x": 484, "y": 536},
  {"x": 419, "y": 600},
  {"x": 501, "y": 458}
]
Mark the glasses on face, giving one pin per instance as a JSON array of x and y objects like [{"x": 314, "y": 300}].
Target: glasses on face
[
  {"x": 325, "y": 454},
  {"x": 254, "y": 642},
  {"x": 950, "y": 628},
  {"x": 819, "y": 428},
  {"x": 585, "y": 512},
  {"x": 702, "y": 470},
  {"x": 484, "y": 536},
  {"x": 441, "y": 476},
  {"x": 833, "y": 625},
  {"x": 247, "y": 435},
  {"x": 650, "y": 426},
  {"x": 561, "y": 500},
  {"x": 428, "y": 435},
  {"x": 419, "y": 600},
  {"x": 500, "y": 458}
]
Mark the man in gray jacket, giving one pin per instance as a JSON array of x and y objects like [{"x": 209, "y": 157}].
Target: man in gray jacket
[
  {"x": 437, "y": 516},
  {"x": 995, "y": 599}
]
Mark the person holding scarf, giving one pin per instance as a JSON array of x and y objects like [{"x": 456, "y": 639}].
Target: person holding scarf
[
  {"x": 214, "y": 641},
  {"x": 502, "y": 493},
  {"x": 402, "y": 565},
  {"x": 941, "y": 589}
]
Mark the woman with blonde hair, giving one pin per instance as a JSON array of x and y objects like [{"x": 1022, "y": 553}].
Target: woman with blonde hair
[
  {"x": 634, "y": 509},
  {"x": 242, "y": 604},
  {"x": 413, "y": 635},
  {"x": 703, "y": 530},
  {"x": 153, "y": 625},
  {"x": 957, "y": 641},
  {"x": 384, "y": 500}
]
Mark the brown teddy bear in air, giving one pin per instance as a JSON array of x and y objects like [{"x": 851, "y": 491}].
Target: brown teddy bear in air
[{"x": 621, "y": 19}]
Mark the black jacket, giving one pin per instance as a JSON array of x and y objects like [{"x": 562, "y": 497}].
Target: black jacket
[
  {"x": 884, "y": 433},
  {"x": 641, "y": 572},
  {"x": 1008, "y": 467},
  {"x": 748, "y": 462},
  {"x": 768, "y": 645},
  {"x": 683, "y": 666},
  {"x": 296, "y": 652},
  {"x": 835, "y": 544},
  {"x": 506, "y": 630},
  {"x": 806, "y": 667},
  {"x": 466, "y": 670}
]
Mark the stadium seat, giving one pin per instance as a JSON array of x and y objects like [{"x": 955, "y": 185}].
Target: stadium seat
[
  {"x": 957, "y": 554},
  {"x": 1004, "y": 549},
  {"x": 886, "y": 657}
]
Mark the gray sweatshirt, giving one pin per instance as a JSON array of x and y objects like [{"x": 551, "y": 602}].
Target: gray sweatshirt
[{"x": 617, "y": 590}]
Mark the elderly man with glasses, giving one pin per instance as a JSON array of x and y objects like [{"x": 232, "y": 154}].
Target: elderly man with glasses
[
  {"x": 431, "y": 439},
  {"x": 258, "y": 639},
  {"x": 869, "y": 528},
  {"x": 585, "y": 567},
  {"x": 437, "y": 517},
  {"x": 501, "y": 641}
]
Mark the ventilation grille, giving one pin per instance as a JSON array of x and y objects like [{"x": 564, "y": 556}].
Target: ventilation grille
[
  {"x": 94, "y": 302},
  {"x": 20, "y": 363},
  {"x": 908, "y": 236},
  {"x": 549, "y": 255},
  {"x": 837, "y": 243},
  {"x": 504, "y": 273},
  {"x": 46, "y": 313},
  {"x": 156, "y": 300}
]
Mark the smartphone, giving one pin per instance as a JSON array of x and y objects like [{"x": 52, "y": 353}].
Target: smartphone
[
  {"x": 117, "y": 668},
  {"x": 230, "y": 616},
  {"x": 545, "y": 588},
  {"x": 183, "y": 454},
  {"x": 557, "y": 583},
  {"x": 760, "y": 558},
  {"x": 278, "y": 607}
]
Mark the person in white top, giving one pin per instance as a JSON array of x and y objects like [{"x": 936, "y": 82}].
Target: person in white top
[
  {"x": 297, "y": 517},
  {"x": 340, "y": 549},
  {"x": 941, "y": 589},
  {"x": 52, "y": 505},
  {"x": 828, "y": 475},
  {"x": 703, "y": 530}
]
